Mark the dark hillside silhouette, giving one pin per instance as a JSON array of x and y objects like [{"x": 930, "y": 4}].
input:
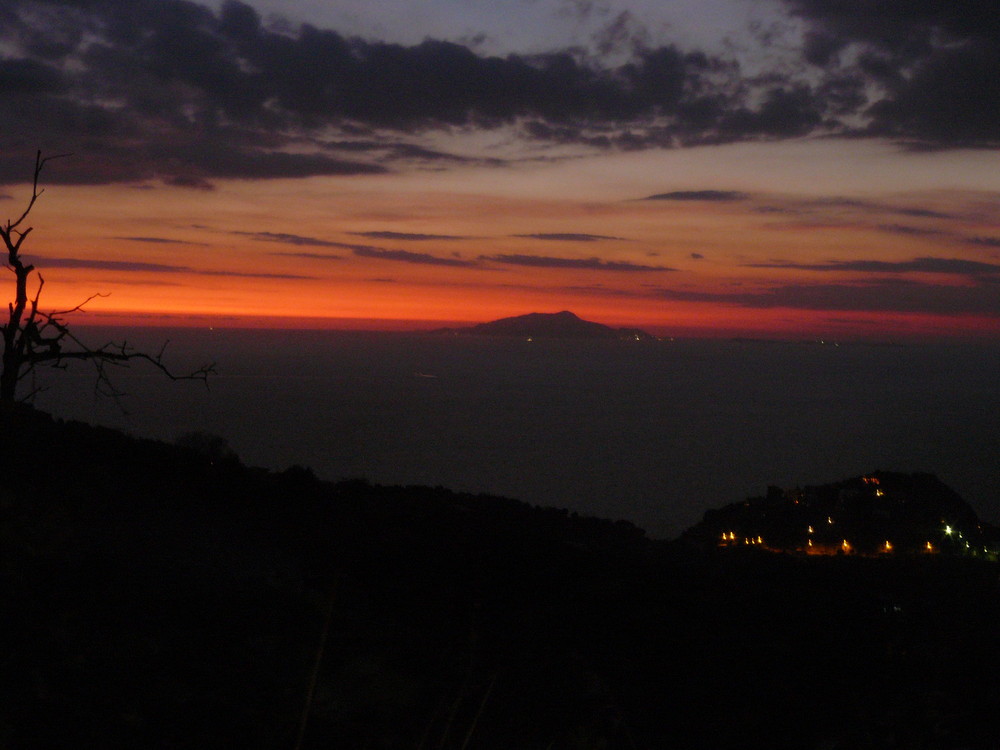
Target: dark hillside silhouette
[{"x": 157, "y": 597}]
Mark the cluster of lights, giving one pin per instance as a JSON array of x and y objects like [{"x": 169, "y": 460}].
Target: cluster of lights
[{"x": 730, "y": 536}]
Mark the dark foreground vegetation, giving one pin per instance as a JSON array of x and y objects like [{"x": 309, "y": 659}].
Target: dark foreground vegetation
[{"x": 158, "y": 596}]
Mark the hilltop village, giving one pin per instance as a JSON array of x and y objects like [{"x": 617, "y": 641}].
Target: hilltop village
[{"x": 878, "y": 514}]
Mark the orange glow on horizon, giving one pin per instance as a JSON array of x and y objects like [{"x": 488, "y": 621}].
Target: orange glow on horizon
[{"x": 424, "y": 250}]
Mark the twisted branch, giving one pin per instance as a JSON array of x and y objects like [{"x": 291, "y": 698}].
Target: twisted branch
[{"x": 41, "y": 338}]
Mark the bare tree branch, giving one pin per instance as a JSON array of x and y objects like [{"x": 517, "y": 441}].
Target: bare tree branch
[
  {"x": 44, "y": 338},
  {"x": 40, "y": 163}
]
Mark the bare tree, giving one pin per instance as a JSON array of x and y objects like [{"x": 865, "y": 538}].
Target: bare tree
[{"x": 33, "y": 338}]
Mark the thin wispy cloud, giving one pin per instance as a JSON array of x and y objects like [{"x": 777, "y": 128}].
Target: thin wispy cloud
[
  {"x": 285, "y": 238},
  {"x": 718, "y": 196},
  {"x": 408, "y": 236},
  {"x": 566, "y": 237},
  {"x": 310, "y": 256},
  {"x": 853, "y": 209},
  {"x": 253, "y": 275},
  {"x": 922, "y": 213},
  {"x": 143, "y": 267},
  {"x": 958, "y": 266},
  {"x": 885, "y": 295},
  {"x": 910, "y": 231},
  {"x": 406, "y": 256},
  {"x": 599, "y": 290},
  {"x": 984, "y": 241},
  {"x": 589, "y": 264},
  {"x": 160, "y": 241},
  {"x": 108, "y": 265},
  {"x": 361, "y": 251}
]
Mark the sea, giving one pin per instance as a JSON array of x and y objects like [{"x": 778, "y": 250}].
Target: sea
[{"x": 653, "y": 432}]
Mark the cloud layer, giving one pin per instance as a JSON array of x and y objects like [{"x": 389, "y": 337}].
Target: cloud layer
[
  {"x": 935, "y": 64},
  {"x": 172, "y": 90},
  {"x": 589, "y": 264}
]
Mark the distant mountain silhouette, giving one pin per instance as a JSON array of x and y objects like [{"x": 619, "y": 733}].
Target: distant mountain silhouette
[
  {"x": 883, "y": 513},
  {"x": 560, "y": 325}
]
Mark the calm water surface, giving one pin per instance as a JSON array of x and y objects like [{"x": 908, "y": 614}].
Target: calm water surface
[{"x": 653, "y": 432}]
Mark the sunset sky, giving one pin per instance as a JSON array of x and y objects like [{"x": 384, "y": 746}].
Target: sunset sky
[{"x": 803, "y": 168}]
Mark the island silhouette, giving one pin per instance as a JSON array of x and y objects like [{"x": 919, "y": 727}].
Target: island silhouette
[{"x": 559, "y": 325}]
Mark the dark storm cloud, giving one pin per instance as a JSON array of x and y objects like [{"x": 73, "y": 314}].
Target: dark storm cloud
[
  {"x": 957, "y": 266},
  {"x": 937, "y": 63},
  {"x": 892, "y": 295},
  {"x": 721, "y": 196},
  {"x": 136, "y": 266},
  {"x": 171, "y": 90},
  {"x": 591, "y": 264},
  {"x": 566, "y": 237}
]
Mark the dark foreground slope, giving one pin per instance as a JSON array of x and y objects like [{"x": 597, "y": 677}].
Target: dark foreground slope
[{"x": 156, "y": 597}]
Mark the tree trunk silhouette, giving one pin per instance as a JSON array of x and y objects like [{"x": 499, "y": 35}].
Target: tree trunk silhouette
[{"x": 33, "y": 338}]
